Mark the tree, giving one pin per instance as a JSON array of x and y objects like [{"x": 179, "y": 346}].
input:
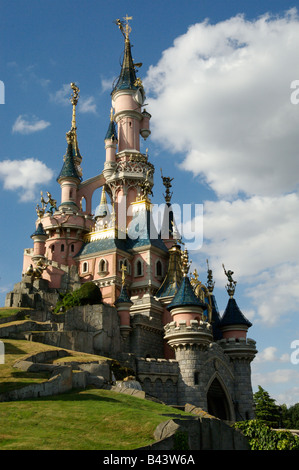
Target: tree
[
  {"x": 266, "y": 410},
  {"x": 292, "y": 416}
]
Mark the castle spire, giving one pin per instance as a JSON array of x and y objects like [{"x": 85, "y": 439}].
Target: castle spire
[{"x": 127, "y": 78}]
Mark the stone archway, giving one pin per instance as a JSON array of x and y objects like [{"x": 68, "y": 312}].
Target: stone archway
[{"x": 218, "y": 404}]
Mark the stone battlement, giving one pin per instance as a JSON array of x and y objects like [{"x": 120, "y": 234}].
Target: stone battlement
[
  {"x": 239, "y": 347},
  {"x": 180, "y": 334}
]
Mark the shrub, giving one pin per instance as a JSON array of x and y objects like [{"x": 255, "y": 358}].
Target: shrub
[
  {"x": 262, "y": 437},
  {"x": 88, "y": 294}
]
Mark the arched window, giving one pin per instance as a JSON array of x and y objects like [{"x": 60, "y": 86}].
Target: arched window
[
  {"x": 103, "y": 266},
  {"x": 139, "y": 268},
  {"x": 196, "y": 378},
  {"x": 72, "y": 248},
  {"x": 85, "y": 267},
  {"x": 158, "y": 268}
]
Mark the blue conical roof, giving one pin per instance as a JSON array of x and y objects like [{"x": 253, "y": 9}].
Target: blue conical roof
[
  {"x": 111, "y": 132},
  {"x": 39, "y": 230},
  {"x": 69, "y": 169},
  {"x": 127, "y": 77},
  {"x": 185, "y": 296},
  {"x": 233, "y": 315},
  {"x": 123, "y": 296}
]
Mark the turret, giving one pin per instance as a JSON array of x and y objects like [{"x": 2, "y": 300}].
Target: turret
[
  {"x": 39, "y": 238},
  {"x": 71, "y": 175},
  {"x": 110, "y": 147},
  {"x": 240, "y": 350}
]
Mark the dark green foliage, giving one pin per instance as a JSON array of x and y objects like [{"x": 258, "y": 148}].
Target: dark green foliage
[
  {"x": 262, "y": 437},
  {"x": 119, "y": 371},
  {"x": 266, "y": 410},
  {"x": 291, "y": 417},
  {"x": 88, "y": 294}
]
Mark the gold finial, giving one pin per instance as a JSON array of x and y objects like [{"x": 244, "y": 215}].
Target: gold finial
[
  {"x": 124, "y": 26},
  {"x": 123, "y": 275},
  {"x": 231, "y": 285},
  {"x": 74, "y": 100},
  {"x": 111, "y": 115},
  {"x": 145, "y": 187},
  {"x": 185, "y": 262}
]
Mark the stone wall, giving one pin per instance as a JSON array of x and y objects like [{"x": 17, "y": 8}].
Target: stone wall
[
  {"x": 158, "y": 378},
  {"x": 146, "y": 339},
  {"x": 203, "y": 432}
]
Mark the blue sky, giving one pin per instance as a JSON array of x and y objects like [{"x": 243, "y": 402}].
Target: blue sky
[{"x": 218, "y": 80}]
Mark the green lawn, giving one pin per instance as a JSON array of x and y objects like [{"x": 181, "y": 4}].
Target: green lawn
[
  {"x": 82, "y": 420},
  {"x": 9, "y": 311}
]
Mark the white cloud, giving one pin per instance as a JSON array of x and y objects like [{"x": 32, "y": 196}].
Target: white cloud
[
  {"x": 62, "y": 96},
  {"x": 221, "y": 96},
  {"x": 23, "y": 125},
  {"x": 87, "y": 105},
  {"x": 270, "y": 354},
  {"x": 106, "y": 84},
  {"x": 24, "y": 176},
  {"x": 258, "y": 239}
]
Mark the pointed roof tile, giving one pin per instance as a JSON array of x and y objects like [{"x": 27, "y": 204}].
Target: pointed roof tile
[{"x": 233, "y": 315}]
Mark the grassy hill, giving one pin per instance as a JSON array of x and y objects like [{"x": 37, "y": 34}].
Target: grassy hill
[{"x": 90, "y": 419}]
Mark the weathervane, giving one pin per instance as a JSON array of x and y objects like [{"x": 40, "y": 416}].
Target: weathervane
[
  {"x": 210, "y": 282},
  {"x": 167, "y": 183},
  {"x": 124, "y": 26},
  {"x": 231, "y": 285}
]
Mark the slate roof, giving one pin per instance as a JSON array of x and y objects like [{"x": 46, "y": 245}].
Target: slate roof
[
  {"x": 69, "y": 168},
  {"x": 111, "y": 131},
  {"x": 233, "y": 315},
  {"x": 39, "y": 230},
  {"x": 185, "y": 296},
  {"x": 123, "y": 296},
  {"x": 127, "y": 77}
]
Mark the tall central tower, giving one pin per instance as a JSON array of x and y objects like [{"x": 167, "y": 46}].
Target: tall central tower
[{"x": 125, "y": 168}]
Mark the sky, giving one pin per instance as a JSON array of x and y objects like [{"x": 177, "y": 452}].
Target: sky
[{"x": 221, "y": 81}]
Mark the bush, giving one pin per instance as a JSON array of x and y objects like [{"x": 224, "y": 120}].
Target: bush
[
  {"x": 262, "y": 437},
  {"x": 88, "y": 294}
]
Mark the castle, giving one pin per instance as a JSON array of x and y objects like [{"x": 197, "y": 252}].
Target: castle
[{"x": 165, "y": 321}]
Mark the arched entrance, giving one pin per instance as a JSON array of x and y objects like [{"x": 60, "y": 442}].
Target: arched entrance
[{"x": 218, "y": 405}]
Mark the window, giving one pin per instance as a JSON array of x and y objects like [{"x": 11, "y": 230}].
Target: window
[
  {"x": 72, "y": 248},
  {"x": 62, "y": 247},
  {"x": 85, "y": 267},
  {"x": 138, "y": 268},
  {"x": 158, "y": 268},
  {"x": 52, "y": 248},
  {"x": 103, "y": 265},
  {"x": 196, "y": 378}
]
